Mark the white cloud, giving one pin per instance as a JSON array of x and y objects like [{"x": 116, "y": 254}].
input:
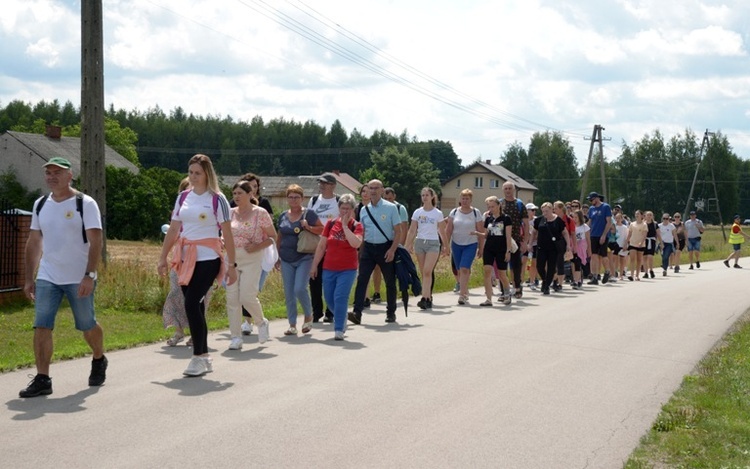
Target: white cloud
[{"x": 518, "y": 66}]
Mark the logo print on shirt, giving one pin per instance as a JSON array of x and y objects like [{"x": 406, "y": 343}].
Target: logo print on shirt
[
  {"x": 202, "y": 216},
  {"x": 69, "y": 214}
]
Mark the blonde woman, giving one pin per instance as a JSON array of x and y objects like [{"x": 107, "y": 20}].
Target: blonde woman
[
  {"x": 198, "y": 257},
  {"x": 636, "y": 245},
  {"x": 461, "y": 228},
  {"x": 426, "y": 238}
]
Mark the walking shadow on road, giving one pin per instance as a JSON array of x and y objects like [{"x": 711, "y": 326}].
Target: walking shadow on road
[
  {"x": 195, "y": 386},
  {"x": 32, "y": 409}
]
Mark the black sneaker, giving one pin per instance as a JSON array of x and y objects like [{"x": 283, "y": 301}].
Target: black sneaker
[
  {"x": 390, "y": 317},
  {"x": 317, "y": 317},
  {"x": 726, "y": 263},
  {"x": 98, "y": 371},
  {"x": 376, "y": 298},
  {"x": 354, "y": 317},
  {"x": 605, "y": 279},
  {"x": 39, "y": 386},
  {"x": 428, "y": 303},
  {"x": 422, "y": 304},
  {"x": 651, "y": 273},
  {"x": 691, "y": 267},
  {"x": 737, "y": 266},
  {"x": 593, "y": 281},
  {"x": 328, "y": 318},
  {"x": 367, "y": 302},
  {"x": 698, "y": 265}
]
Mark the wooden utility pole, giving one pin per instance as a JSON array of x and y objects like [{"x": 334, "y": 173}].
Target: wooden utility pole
[
  {"x": 93, "y": 175},
  {"x": 704, "y": 149},
  {"x": 596, "y": 136}
]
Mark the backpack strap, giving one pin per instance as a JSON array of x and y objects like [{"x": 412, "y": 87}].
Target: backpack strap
[{"x": 79, "y": 209}]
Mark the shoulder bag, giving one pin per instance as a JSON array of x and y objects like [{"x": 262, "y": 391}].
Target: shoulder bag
[{"x": 307, "y": 242}]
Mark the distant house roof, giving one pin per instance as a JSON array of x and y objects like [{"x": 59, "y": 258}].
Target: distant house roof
[
  {"x": 69, "y": 148},
  {"x": 501, "y": 172},
  {"x": 276, "y": 185}
]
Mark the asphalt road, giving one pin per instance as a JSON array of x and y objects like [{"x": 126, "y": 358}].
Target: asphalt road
[{"x": 571, "y": 380}]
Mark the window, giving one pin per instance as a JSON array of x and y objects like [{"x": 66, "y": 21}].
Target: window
[
  {"x": 494, "y": 183},
  {"x": 478, "y": 182},
  {"x": 458, "y": 183}
]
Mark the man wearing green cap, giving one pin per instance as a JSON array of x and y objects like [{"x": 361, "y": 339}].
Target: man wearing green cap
[{"x": 65, "y": 243}]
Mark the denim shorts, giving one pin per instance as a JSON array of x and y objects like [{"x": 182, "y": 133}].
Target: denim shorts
[
  {"x": 48, "y": 298},
  {"x": 423, "y": 246},
  {"x": 694, "y": 244},
  {"x": 463, "y": 256}
]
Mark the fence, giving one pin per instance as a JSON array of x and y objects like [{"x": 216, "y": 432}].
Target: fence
[{"x": 14, "y": 230}]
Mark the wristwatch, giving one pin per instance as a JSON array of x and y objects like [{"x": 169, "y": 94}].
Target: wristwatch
[{"x": 91, "y": 275}]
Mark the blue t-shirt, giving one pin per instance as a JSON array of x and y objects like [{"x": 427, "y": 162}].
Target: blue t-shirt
[
  {"x": 387, "y": 216},
  {"x": 598, "y": 216}
]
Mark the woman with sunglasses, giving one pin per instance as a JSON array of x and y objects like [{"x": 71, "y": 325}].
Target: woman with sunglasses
[
  {"x": 679, "y": 243},
  {"x": 636, "y": 245},
  {"x": 666, "y": 237}
]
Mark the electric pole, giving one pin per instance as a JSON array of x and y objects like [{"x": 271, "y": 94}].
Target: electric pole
[
  {"x": 596, "y": 136},
  {"x": 93, "y": 175},
  {"x": 705, "y": 147}
]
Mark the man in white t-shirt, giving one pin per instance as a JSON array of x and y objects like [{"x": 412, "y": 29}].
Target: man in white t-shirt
[
  {"x": 326, "y": 207},
  {"x": 65, "y": 242}
]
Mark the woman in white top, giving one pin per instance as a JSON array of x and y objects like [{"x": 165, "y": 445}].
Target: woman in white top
[
  {"x": 622, "y": 240},
  {"x": 426, "y": 238},
  {"x": 665, "y": 234},
  {"x": 460, "y": 227},
  {"x": 198, "y": 258}
]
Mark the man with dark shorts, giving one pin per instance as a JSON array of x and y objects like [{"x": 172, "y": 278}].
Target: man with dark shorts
[
  {"x": 600, "y": 216},
  {"x": 516, "y": 210}
]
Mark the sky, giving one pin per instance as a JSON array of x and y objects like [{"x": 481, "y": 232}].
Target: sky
[{"x": 480, "y": 74}]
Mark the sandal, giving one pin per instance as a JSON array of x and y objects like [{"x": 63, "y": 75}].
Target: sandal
[
  {"x": 487, "y": 302},
  {"x": 175, "y": 339},
  {"x": 307, "y": 327},
  {"x": 291, "y": 331}
]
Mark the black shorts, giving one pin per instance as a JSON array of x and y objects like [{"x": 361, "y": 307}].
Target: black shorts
[
  {"x": 598, "y": 249},
  {"x": 494, "y": 256},
  {"x": 614, "y": 247},
  {"x": 680, "y": 244}
]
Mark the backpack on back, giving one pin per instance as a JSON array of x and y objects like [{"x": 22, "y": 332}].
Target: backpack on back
[{"x": 79, "y": 209}]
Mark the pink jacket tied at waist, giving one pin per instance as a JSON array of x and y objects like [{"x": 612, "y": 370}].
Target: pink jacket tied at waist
[{"x": 185, "y": 267}]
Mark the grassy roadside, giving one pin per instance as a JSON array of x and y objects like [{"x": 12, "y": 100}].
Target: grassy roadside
[{"x": 706, "y": 423}]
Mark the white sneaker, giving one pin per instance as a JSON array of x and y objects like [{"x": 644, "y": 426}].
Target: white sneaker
[
  {"x": 263, "y": 332},
  {"x": 338, "y": 335},
  {"x": 236, "y": 343},
  {"x": 246, "y": 327},
  {"x": 199, "y": 366}
]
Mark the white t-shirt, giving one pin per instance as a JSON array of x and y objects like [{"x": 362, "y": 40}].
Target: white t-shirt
[
  {"x": 198, "y": 220},
  {"x": 622, "y": 234},
  {"x": 325, "y": 209},
  {"x": 64, "y": 254},
  {"x": 667, "y": 232},
  {"x": 463, "y": 225},
  {"x": 581, "y": 232},
  {"x": 427, "y": 223}
]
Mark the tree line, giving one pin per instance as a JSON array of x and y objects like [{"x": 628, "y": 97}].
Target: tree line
[{"x": 654, "y": 173}]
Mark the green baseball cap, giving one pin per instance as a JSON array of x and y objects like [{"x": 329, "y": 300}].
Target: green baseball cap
[{"x": 58, "y": 161}]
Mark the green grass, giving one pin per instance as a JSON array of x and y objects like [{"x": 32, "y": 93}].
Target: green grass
[{"x": 706, "y": 424}]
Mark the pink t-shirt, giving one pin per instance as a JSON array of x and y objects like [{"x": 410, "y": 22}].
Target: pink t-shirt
[{"x": 251, "y": 231}]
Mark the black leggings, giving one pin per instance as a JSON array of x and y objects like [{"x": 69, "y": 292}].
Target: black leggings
[
  {"x": 195, "y": 306},
  {"x": 545, "y": 265}
]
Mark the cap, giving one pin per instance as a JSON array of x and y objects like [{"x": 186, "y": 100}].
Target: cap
[
  {"x": 692, "y": 212},
  {"x": 58, "y": 161},
  {"x": 329, "y": 178},
  {"x": 618, "y": 206},
  {"x": 593, "y": 195},
  {"x": 736, "y": 216},
  {"x": 531, "y": 206}
]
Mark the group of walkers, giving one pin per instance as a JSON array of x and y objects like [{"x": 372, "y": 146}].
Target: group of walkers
[{"x": 330, "y": 245}]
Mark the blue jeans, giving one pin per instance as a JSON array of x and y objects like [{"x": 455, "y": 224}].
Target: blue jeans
[
  {"x": 48, "y": 298},
  {"x": 337, "y": 284},
  {"x": 666, "y": 251},
  {"x": 296, "y": 276}
]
